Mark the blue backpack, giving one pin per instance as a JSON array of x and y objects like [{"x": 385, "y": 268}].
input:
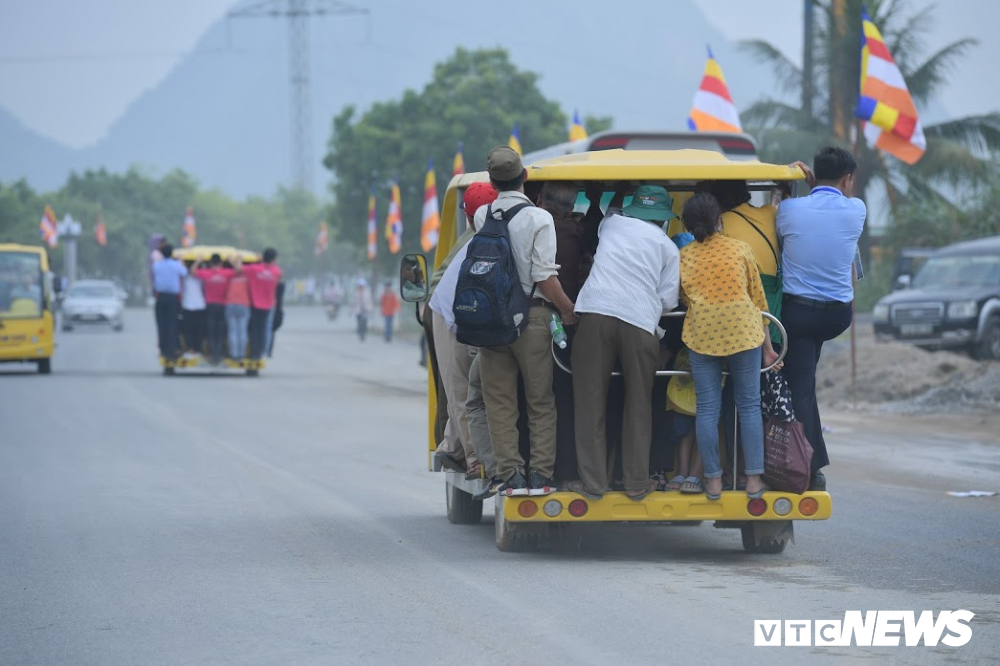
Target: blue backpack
[{"x": 490, "y": 307}]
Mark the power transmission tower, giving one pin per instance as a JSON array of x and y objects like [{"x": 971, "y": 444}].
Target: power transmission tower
[{"x": 298, "y": 13}]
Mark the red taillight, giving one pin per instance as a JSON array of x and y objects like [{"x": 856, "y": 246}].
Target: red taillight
[
  {"x": 808, "y": 506},
  {"x": 736, "y": 146},
  {"x": 757, "y": 507},
  {"x": 609, "y": 142},
  {"x": 577, "y": 508},
  {"x": 527, "y": 509}
]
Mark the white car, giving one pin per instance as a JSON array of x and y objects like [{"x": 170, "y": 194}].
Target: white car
[{"x": 93, "y": 302}]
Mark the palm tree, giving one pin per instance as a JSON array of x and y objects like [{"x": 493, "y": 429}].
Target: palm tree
[{"x": 960, "y": 153}]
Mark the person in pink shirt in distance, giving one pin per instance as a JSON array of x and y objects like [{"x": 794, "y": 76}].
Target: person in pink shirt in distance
[
  {"x": 263, "y": 281},
  {"x": 215, "y": 283},
  {"x": 237, "y": 311}
]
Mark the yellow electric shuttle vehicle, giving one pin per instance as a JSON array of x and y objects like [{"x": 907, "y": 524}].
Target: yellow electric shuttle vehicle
[
  {"x": 26, "y": 314},
  {"x": 520, "y": 521},
  {"x": 198, "y": 357}
]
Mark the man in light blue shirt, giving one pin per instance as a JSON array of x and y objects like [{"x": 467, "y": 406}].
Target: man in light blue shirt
[
  {"x": 819, "y": 237},
  {"x": 167, "y": 275}
]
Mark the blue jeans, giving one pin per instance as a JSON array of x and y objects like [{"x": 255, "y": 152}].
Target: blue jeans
[
  {"x": 744, "y": 373},
  {"x": 237, "y": 318},
  {"x": 269, "y": 331}
]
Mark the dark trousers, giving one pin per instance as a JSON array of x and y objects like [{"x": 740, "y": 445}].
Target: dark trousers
[
  {"x": 168, "y": 309},
  {"x": 808, "y": 328},
  {"x": 258, "y": 325},
  {"x": 193, "y": 329},
  {"x": 215, "y": 323}
]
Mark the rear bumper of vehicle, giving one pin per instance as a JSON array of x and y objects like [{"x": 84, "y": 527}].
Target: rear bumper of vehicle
[
  {"x": 20, "y": 352},
  {"x": 668, "y": 506},
  {"x": 81, "y": 319},
  {"x": 943, "y": 336}
]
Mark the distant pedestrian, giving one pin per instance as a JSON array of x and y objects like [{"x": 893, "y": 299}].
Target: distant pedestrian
[
  {"x": 390, "y": 306},
  {"x": 167, "y": 276},
  {"x": 362, "y": 307}
]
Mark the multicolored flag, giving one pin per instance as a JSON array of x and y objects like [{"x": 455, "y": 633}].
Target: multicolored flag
[
  {"x": 515, "y": 139},
  {"x": 372, "y": 227},
  {"x": 576, "y": 130},
  {"x": 322, "y": 238},
  {"x": 458, "y": 166},
  {"x": 885, "y": 107},
  {"x": 432, "y": 221},
  {"x": 394, "y": 221},
  {"x": 713, "y": 109},
  {"x": 100, "y": 231},
  {"x": 47, "y": 228},
  {"x": 189, "y": 233}
]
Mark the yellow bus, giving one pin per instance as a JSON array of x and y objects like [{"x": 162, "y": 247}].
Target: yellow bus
[
  {"x": 27, "y": 323},
  {"x": 765, "y": 523}
]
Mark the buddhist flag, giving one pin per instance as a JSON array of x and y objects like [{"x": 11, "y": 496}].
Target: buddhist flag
[
  {"x": 188, "y": 232},
  {"x": 394, "y": 221},
  {"x": 322, "y": 239},
  {"x": 47, "y": 228},
  {"x": 577, "y": 131},
  {"x": 372, "y": 227},
  {"x": 431, "y": 222},
  {"x": 100, "y": 231},
  {"x": 515, "y": 139},
  {"x": 458, "y": 166},
  {"x": 713, "y": 109},
  {"x": 885, "y": 107}
]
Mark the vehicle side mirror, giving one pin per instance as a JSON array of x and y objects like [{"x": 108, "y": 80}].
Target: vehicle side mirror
[
  {"x": 413, "y": 278},
  {"x": 57, "y": 286},
  {"x": 902, "y": 282}
]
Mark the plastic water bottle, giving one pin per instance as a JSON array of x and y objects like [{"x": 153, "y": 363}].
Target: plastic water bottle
[{"x": 557, "y": 331}]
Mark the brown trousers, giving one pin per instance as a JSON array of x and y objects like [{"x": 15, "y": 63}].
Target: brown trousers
[
  {"x": 601, "y": 341},
  {"x": 530, "y": 357}
]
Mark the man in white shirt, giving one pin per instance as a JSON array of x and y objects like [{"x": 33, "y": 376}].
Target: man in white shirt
[
  {"x": 533, "y": 245},
  {"x": 634, "y": 281},
  {"x": 453, "y": 358}
]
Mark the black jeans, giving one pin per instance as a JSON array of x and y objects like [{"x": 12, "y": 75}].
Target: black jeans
[
  {"x": 193, "y": 329},
  {"x": 258, "y": 323},
  {"x": 808, "y": 327},
  {"x": 168, "y": 309},
  {"x": 215, "y": 315}
]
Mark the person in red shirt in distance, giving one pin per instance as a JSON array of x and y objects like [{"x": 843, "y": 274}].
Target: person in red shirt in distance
[
  {"x": 263, "y": 280},
  {"x": 390, "y": 306},
  {"x": 215, "y": 281}
]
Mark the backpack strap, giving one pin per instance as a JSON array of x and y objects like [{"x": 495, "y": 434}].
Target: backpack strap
[{"x": 777, "y": 261}]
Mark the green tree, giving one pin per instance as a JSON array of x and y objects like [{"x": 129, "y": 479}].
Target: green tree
[
  {"x": 474, "y": 97},
  {"x": 960, "y": 152}
]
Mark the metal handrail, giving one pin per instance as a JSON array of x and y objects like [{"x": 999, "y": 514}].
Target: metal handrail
[{"x": 687, "y": 373}]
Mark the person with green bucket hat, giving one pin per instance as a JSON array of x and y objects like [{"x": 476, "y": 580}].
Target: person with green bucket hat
[{"x": 634, "y": 281}]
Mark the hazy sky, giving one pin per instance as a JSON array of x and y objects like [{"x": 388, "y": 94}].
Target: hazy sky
[{"x": 69, "y": 68}]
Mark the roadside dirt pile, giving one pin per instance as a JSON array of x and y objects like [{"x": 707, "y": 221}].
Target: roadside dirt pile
[{"x": 905, "y": 379}]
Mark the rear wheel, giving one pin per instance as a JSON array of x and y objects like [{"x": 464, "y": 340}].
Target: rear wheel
[
  {"x": 67, "y": 327},
  {"x": 118, "y": 326},
  {"x": 168, "y": 370},
  {"x": 462, "y": 509},
  {"x": 252, "y": 372},
  {"x": 989, "y": 347},
  {"x": 44, "y": 366},
  {"x": 512, "y": 538}
]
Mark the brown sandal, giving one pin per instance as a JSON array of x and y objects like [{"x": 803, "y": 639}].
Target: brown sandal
[{"x": 642, "y": 494}]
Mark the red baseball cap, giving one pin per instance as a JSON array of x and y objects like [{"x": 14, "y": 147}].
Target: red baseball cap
[{"x": 476, "y": 195}]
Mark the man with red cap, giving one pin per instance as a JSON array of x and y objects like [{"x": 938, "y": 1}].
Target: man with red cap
[{"x": 450, "y": 357}]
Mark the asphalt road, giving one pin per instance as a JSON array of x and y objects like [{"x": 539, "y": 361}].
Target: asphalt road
[{"x": 290, "y": 519}]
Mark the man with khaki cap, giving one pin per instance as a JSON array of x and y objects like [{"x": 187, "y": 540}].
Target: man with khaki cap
[
  {"x": 533, "y": 246},
  {"x": 634, "y": 281}
]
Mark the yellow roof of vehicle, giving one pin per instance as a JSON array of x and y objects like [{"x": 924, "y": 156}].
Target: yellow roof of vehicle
[
  {"x": 650, "y": 165},
  {"x": 205, "y": 252}
]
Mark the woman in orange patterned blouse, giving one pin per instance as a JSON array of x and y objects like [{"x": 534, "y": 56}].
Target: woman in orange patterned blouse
[{"x": 721, "y": 286}]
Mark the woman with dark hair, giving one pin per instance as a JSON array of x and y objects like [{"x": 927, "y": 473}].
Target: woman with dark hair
[{"x": 721, "y": 286}]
